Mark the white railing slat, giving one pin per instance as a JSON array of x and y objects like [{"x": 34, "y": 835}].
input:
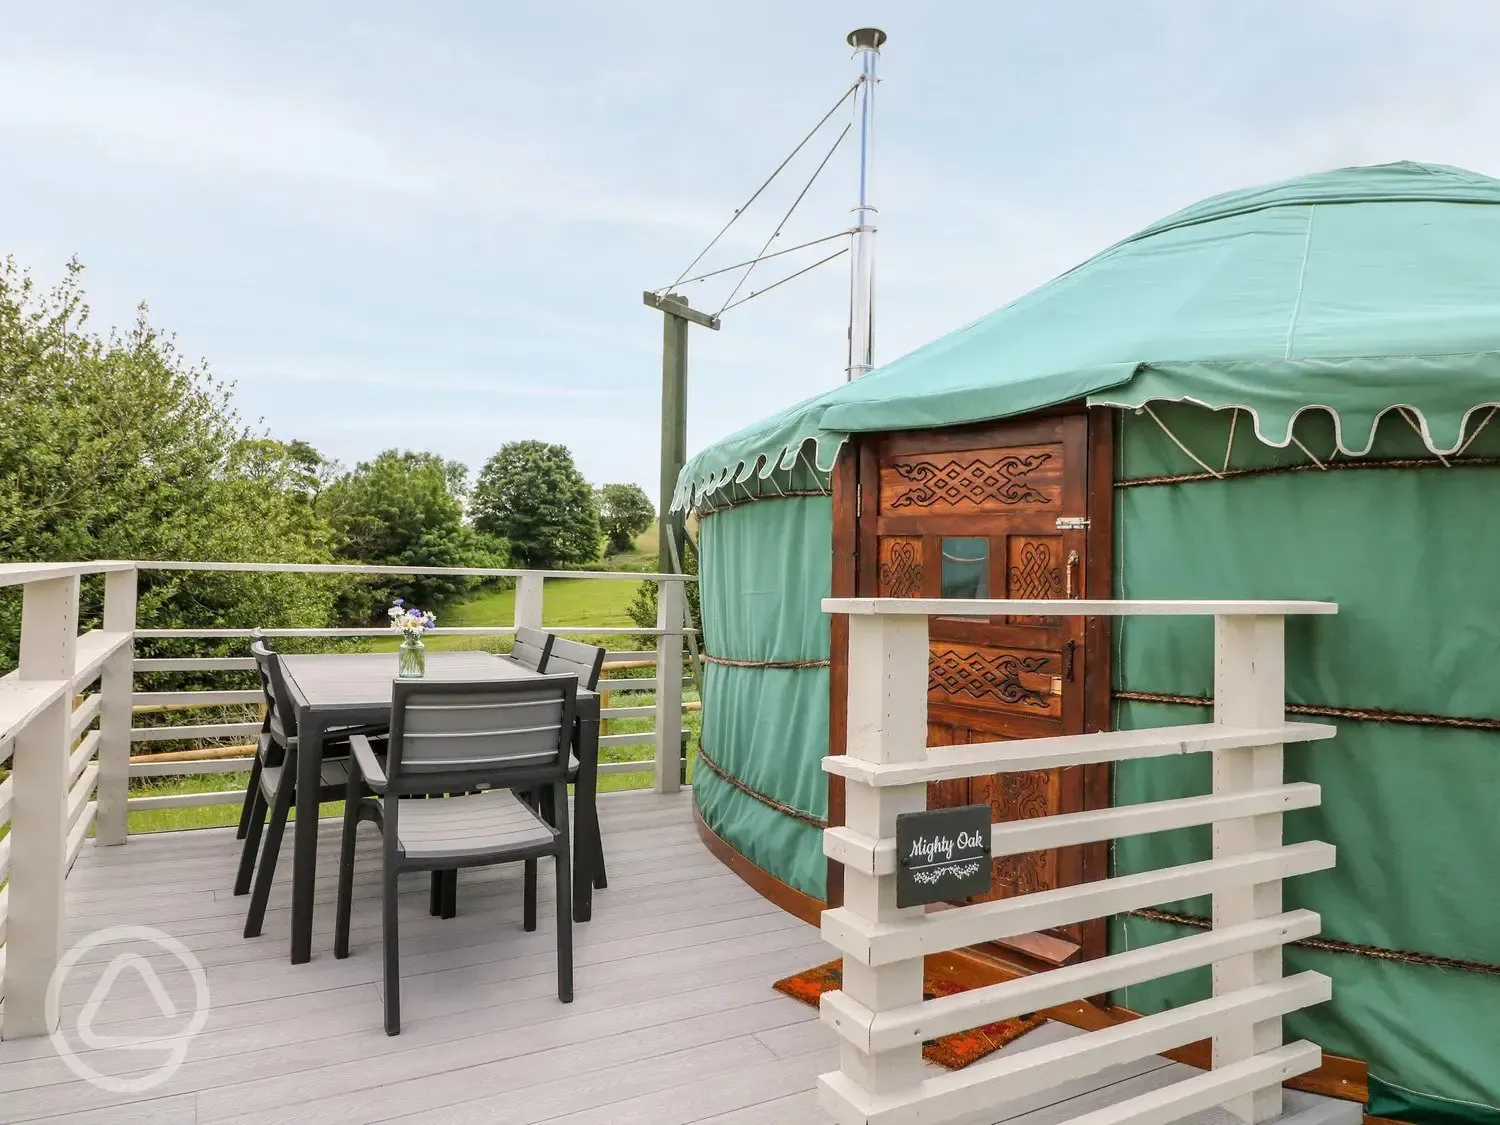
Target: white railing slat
[
  {"x": 989, "y": 1085},
  {"x": 641, "y": 738},
  {"x": 190, "y": 768},
  {"x": 639, "y": 765},
  {"x": 1017, "y": 837},
  {"x": 7, "y": 793},
  {"x": 85, "y": 713},
  {"x": 1265, "y": 1071},
  {"x": 194, "y": 664},
  {"x": 82, "y": 790},
  {"x": 116, "y": 682},
  {"x": 627, "y": 712},
  {"x": 80, "y": 758},
  {"x": 946, "y": 763},
  {"x": 1024, "y": 995},
  {"x": 357, "y": 568},
  {"x": 80, "y": 831},
  {"x": 1076, "y": 607},
  {"x": 883, "y": 943},
  {"x": 186, "y": 800}
]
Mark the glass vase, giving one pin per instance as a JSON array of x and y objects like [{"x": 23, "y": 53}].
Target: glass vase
[{"x": 413, "y": 659}]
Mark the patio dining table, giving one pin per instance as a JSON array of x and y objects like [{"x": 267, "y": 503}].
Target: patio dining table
[{"x": 355, "y": 689}]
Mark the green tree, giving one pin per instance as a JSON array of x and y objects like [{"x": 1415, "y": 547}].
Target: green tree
[
  {"x": 406, "y": 508},
  {"x": 624, "y": 512},
  {"x": 113, "y": 446},
  {"x": 642, "y": 608},
  {"x": 530, "y": 494}
]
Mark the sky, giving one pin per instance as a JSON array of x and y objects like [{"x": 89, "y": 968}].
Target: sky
[{"x": 429, "y": 226}]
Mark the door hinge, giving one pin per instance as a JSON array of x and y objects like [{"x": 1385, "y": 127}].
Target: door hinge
[
  {"x": 859, "y": 501},
  {"x": 1072, "y": 523}
]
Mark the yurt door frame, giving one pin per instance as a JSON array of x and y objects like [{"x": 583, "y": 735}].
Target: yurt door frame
[{"x": 1010, "y": 509}]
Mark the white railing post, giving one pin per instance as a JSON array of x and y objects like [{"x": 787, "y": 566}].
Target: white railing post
[
  {"x": 887, "y": 709},
  {"x": 1249, "y": 691},
  {"x": 116, "y": 684},
  {"x": 39, "y": 812},
  {"x": 670, "y": 599},
  {"x": 529, "y": 601}
]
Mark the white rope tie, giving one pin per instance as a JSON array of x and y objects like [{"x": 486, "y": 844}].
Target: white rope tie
[
  {"x": 1234, "y": 416},
  {"x": 1310, "y": 455},
  {"x": 1204, "y": 465},
  {"x": 1477, "y": 429},
  {"x": 812, "y": 468}
]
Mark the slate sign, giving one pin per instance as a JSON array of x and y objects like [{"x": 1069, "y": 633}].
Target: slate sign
[{"x": 942, "y": 854}]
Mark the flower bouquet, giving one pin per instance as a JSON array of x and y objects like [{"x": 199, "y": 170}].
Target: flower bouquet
[{"x": 413, "y": 623}]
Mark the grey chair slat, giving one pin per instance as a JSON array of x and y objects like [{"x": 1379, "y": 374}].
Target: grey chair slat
[
  {"x": 584, "y": 661},
  {"x": 452, "y": 720},
  {"x": 531, "y": 647}
]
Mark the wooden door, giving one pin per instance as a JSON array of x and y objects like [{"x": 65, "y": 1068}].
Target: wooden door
[{"x": 998, "y": 511}]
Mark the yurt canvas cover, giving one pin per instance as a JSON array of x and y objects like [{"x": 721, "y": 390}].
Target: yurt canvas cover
[{"x": 1305, "y": 375}]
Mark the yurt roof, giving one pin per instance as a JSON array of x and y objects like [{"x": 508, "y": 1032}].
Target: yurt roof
[{"x": 1356, "y": 291}]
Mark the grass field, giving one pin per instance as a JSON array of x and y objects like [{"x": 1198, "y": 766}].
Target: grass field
[{"x": 567, "y": 601}]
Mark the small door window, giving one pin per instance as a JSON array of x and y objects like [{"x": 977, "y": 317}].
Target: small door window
[{"x": 966, "y": 568}]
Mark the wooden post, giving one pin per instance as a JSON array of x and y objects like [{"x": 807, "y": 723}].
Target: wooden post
[
  {"x": 669, "y": 603},
  {"x": 1249, "y": 691},
  {"x": 529, "y": 601},
  {"x": 887, "y": 717},
  {"x": 39, "y": 812},
  {"x": 677, "y": 314},
  {"x": 674, "y": 342},
  {"x": 116, "y": 684}
]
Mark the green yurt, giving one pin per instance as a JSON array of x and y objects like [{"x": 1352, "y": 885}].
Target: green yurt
[{"x": 1282, "y": 392}]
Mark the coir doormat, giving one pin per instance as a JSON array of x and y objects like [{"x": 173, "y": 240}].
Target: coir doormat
[{"x": 954, "y": 1051}]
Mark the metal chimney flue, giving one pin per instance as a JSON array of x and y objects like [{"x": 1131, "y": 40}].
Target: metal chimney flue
[{"x": 866, "y": 42}]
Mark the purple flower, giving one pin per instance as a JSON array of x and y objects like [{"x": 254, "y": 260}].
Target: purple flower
[{"x": 399, "y": 601}]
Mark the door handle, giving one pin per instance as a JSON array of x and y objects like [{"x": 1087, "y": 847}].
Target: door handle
[
  {"x": 1070, "y": 567},
  {"x": 1068, "y": 660}
]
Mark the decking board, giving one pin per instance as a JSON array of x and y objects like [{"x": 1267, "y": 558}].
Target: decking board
[{"x": 674, "y": 1019}]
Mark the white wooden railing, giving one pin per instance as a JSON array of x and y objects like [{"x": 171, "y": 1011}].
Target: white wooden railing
[
  {"x": 880, "y": 1014},
  {"x": 57, "y": 758},
  {"x": 663, "y": 741},
  {"x": 67, "y": 744}
]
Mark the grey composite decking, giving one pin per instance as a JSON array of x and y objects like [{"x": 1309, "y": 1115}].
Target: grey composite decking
[{"x": 674, "y": 1022}]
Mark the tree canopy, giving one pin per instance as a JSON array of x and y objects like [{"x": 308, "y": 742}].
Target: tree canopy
[
  {"x": 115, "y": 447},
  {"x": 406, "y": 507},
  {"x": 624, "y": 512},
  {"x": 531, "y": 494}
]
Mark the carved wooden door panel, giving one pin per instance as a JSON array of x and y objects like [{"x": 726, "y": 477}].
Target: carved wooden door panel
[{"x": 997, "y": 511}]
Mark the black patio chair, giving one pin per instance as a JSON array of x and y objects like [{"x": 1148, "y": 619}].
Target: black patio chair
[
  {"x": 482, "y": 740},
  {"x": 273, "y": 783},
  {"x": 587, "y": 663},
  {"x": 529, "y": 650}
]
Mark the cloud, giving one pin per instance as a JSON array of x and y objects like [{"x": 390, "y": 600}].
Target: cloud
[
  {"x": 416, "y": 381},
  {"x": 136, "y": 115}
]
